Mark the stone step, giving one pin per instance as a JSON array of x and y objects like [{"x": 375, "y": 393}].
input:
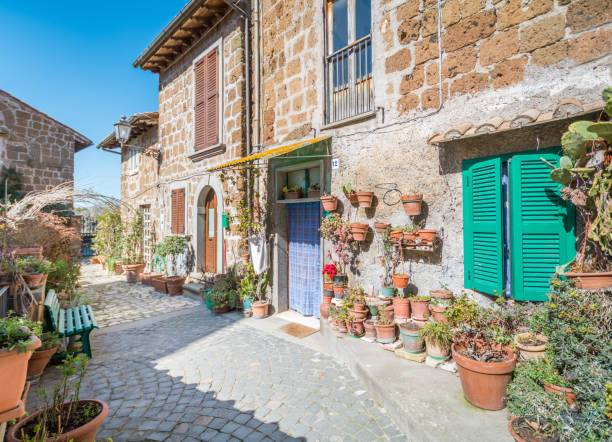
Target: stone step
[{"x": 194, "y": 287}]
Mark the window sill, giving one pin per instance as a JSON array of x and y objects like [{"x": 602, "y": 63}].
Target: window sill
[
  {"x": 207, "y": 152},
  {"x": 357, "y": 118}
]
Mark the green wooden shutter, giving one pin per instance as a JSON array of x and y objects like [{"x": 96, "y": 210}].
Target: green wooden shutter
[
  {"x": 541, "y": 225},
  {"x": 482, "y": 226}
]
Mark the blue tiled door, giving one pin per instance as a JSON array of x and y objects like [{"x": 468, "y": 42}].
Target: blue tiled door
[{"x": 304, "y": 220}]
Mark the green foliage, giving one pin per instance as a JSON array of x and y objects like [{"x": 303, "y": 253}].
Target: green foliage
[
  {"x": 357, "y": 295},
  {"x": 253, "y": 286},
  {"x": 348, "y": 189},
  {"x": 422, "y": 298},
  {"x": 561, "y": 175},
  {"x": 171, "y": 245},
  {"x": 438, "y": 334},
  {"x": 64, "y": 277},
  {"x": 109, "y": 232},
  {"x": 382, "y": 320},
  {"x": 574, "y": 145},
  {"x": 582, "y": 128},
  {"x": 609, "y": 400},
  {"x": 49, "y": 340},
  {"x": 11, "y": 184},
  {"x": 13, "y": 334},
  {"x": 566, "y": 162},
  {"x": 132, "y": 241},
  {"x": 32, "y": 265},
  {"x": 602, "y": 130},
  {"x": 223, "y": 292},
  {"x": 607, "y": 95}
]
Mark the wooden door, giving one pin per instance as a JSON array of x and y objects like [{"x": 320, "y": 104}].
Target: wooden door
[{"x": 210, "y": 233}]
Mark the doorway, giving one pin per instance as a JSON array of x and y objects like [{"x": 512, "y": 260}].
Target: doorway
[{"x": 208, "y": 232}]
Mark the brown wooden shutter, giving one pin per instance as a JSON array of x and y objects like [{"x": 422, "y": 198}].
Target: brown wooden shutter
[
  {"x": 212, "y": 99},
  {"x": 174, "y": 212},
  {"x": 200, "y": 104},
  {"x": 180, "y": 216}
]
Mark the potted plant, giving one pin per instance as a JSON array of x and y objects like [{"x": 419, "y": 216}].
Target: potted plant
[
  {"x": 389, "y": 259},
  {"x": 16, "y": 346},
  {"x": 338, "y": 232},
  {"x": 419, "y": 305},
  {"x": 441, "y": 293},
  {"x": 329, "y": 272},
  {"x": 132, "y": 242},
  {"x": 109, "y": 233},
  {"x": 221, "y": 296},
  {"x": 427, "y": 235},
  {"x": 385, "y": 330},
  {"x": 438, "y": 339},
  {"x": 411, "y": 338},
  {"x": 359, "y": 231},
  {"x": 437, "y": 307},
  {"x": 349, "y": 193},
  {"x": 314, "y": 190},
  {"x": 175, "y": 249},
  {"x": 342, "y": 316},
  {"x": 33, "y": 270},
  {"x": 260, "y": 305},
  {"x": 355, "y": 327},
  {"x": 365, "y": 198},
  {"x": 401, "y": 305},
  {"x": 40, "y": 358},
  {"x": 410, "y": 233},
  {"x": 370, "y": 329},
  {"x": 159, "y": 283},
  {"x": 329, "y": 202},
  {"x": 412, "y": 204},
  {"x": 585, "y": 173},
  {"x": 396, "y": 234},
  {"x": 387, "y": 312},
  {"x": 381, "y": 227},
  {"x": 174, "y": 285},
  {"x": 339, "y": 289},
  {"x": 530, "y": 345},
  {"x": 292, "y": 193},
  {"x": 400, "y": 280},
  {"x": 66, "y": 416},
  {"x": 246, "y": 288}
]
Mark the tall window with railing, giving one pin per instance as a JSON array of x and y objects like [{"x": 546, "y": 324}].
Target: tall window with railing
[
  {"x": 147, "y": 231},
  {"x": 348, "y": 65}
]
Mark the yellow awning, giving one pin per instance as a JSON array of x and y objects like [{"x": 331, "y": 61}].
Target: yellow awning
[{"x": 269, "y": 153}]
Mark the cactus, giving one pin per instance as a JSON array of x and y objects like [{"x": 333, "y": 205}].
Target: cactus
[
  {"x": 566, "y": 162},
  {"x": 607, "y": 94},
  {"x": 608, "y": 107},
  {"x": 602, "y": 129},
  {"x": 561, "y": 175},
  {"x": 574, "y": 144},
  {"x": 581, "y": 127}
]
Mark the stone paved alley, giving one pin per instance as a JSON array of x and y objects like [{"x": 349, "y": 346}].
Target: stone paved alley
[{"x": 189, "y": 375}]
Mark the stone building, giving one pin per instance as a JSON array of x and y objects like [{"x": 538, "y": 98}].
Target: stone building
[
  {"x": 200, "y": 122},
  {"x": 37, "y": 146}
]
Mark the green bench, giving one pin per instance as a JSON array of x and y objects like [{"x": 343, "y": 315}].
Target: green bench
[{"x": 78, "y": 320}]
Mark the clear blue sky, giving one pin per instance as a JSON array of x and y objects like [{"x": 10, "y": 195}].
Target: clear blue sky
[{"x": 73, "y": 61}]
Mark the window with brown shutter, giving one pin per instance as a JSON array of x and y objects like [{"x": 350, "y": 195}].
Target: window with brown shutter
[
  {"x": 178, "y": 212},
  {"x": 207, "y": 101}
]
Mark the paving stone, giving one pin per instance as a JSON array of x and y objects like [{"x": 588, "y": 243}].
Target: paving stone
[{"x": 242, "y": 432}]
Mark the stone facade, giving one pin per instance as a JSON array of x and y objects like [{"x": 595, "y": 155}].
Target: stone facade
[
  {"x": 499, "y": 58},
  {"x": 37, "y": 146}
]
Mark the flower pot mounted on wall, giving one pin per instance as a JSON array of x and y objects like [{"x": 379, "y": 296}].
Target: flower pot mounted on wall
[
  {"x": 401, "y": 280},
  {"x": 359, "y": 231},
  {"x": 329, "y": 202},
  {"x": 365, "y": 199},
  {"x": 428, "y": 235},
  {"x": 381, "y": 227},
  {"x": 412, "y": 204}
]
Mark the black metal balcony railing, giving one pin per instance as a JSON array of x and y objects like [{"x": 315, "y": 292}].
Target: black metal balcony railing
[{"x": 349, "y": 81}]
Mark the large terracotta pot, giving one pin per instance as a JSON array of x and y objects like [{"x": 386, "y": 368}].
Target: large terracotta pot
[
  {"x": 34, "y": 280},
  {"x": 260, "y": 309},
  {"x": 355, "y": 327},
  {"x": 401, "y": 308},
  {"x": 118, "y": 267},
  {"x": 569, "y": 394},
  {"x": 174, "y": 284},
  {"x": 145, "y": 277},
  {"x": 365, "y": 199},
  {"x": 427, "y": 235},
  {"x": 409, "y": 238},
  {"x": 437, "y": 311},
  {"x": 84, "y": 433},
  {"x": 434, "y": 351},
  {"x": 359, "y": 231},
  {"x": 412, "y": 204},
  {"x": 13, "y": 371},
  {"x": 400, "y": 280},
  {"x": 159, "y": 284},
  {"x": 531, "y": 351},
  {"x": 385, "y": 333},
  {"x": 396, "y": 235},
  {"x": 411, "y": 339},
  {"x": 592, "y": 281},
  {"x": 329, "y": 202},
  {"x": 132, "y": 271},
  {"x": 324, "y": 308},
  {"x": 39, "y": 360},
  {"x": 388, "y": 312},
  {"x": 420, "y": 310},
  {"x": 370, "y": 329},
  {"x": 484, "y": 383}
]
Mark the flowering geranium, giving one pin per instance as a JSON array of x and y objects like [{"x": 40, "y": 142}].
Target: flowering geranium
[{"x": 329, "y": 270}]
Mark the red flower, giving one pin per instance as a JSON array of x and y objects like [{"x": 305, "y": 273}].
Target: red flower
[{"x": 329, "y": 270}]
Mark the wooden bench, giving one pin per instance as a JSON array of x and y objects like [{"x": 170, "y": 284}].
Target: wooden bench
[{"x": 78, "y": 320}]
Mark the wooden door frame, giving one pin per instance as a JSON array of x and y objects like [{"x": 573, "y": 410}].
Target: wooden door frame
[{"x": 211, "y": 182}]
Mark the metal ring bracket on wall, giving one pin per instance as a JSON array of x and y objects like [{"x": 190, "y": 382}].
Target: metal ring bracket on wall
[{"x": 389, "y": 197}]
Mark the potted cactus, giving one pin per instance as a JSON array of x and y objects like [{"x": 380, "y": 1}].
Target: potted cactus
[{"x": 349, "y": 193}]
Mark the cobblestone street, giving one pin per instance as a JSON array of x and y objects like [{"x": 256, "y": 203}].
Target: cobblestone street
[{"x": 191, "y": 375}]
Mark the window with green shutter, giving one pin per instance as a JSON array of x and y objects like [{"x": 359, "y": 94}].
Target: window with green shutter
[{"x": 541, "y": 225}]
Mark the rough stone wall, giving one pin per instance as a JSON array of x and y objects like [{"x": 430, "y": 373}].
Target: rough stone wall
[
  {"x": 36, "y": 145},
  {"x": 499, "y": 58}
]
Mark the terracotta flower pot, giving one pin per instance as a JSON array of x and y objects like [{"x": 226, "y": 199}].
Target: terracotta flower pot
[
  {"x": 145, "y": 277},
  {"x": 381, "y": 227},
  {"x": 13, "y": 371},
  {"x": 245, "y": 258},
  {"x": 359, "y": 306},
  {"x": 409, "y": 238},
  {"x": 324, "y": 307},
  {"x": 339, "y": 291},
  {"x": 34, "y": 280},
  {"x": 412, "y": 204},
  {"x": 591, "y": 281},
  {"x": 528, "y": 351},
  {"x": 385, "y": 333},
  {"x": 39, "y": 360},
  {"x": 396, "y": 235},
  {"x": 411, "y": 339},
  {"x": 484, "y": 383},
  {"x": 420, "y": 310},
  {"x": 441, "y": 293},
  {"x": 359, "y": 314},
  {"x": 359, "y": 231},
  {"x": 328, "y": 285},
  {"x": 118, "y": 268},
  {"x": 370, "y": 329},
  {"x": 437, "y": 311},
  {"x": 352, "y": 197},
  {"x": 356, "y": 327},
  {"x": 174, "y": 284},
  {"x": 365, "y": 199},
  {"x": 341, "y": 324},
  {"x": 84, "y": 433},
  {"x": 159, "y": 284},
  {"x": 260, "y": 309},
  {"x": 516, "y": 436},
  {"x": 388, "y": 312},
  {"x": 434, "y": 351},
  {"x": 569, "y": 394},
  {"x": 132, "y": 271},
  {"x": 427, "y": 235},
  {"x": 400, "y": 280},
  {"x": 314, "y": 193},
  {"x": 401, "y": 308},
  {"x": 329, "y": 203},
  {"x": 293, "y": 195}
]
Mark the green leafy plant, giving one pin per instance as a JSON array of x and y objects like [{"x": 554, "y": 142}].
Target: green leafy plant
[
  {"x": 171, "y": 245},
  {"x": 348, "y": 189},
  {"x": 132, "y": 240},
  {"x": 440, "y": 302},
  {"x": 419, "y": 298},
  {"x": 437, "y": 334},
  {"x": 64, "y": 277},
  {"x": 109, "y": 232},
  {"x": 32, "y": 265},
  {"x": 338, "y": 231},
  {"x": 14, "y": 335},
  {"x": 357, "y": 295},
  {"x": 382, "y": 320},
  {"x": 49, "y": 340}
]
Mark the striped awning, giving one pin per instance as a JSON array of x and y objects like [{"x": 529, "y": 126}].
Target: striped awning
[{"x": 272, "y": 152}]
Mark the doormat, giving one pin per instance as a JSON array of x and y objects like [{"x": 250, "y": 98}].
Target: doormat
[{"x": 297, "y": 330}]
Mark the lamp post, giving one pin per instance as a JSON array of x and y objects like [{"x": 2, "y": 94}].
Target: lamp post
[{"x": 122, "y": 130}]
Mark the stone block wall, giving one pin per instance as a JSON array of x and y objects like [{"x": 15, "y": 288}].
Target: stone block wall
[{"x": 39, "y": 147}]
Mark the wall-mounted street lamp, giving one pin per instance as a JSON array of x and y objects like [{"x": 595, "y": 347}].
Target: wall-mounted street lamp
[{"x": 123, "y": 129}]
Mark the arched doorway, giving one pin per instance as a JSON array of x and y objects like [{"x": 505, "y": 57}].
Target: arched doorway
[{"x": 208, "y": 231}]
